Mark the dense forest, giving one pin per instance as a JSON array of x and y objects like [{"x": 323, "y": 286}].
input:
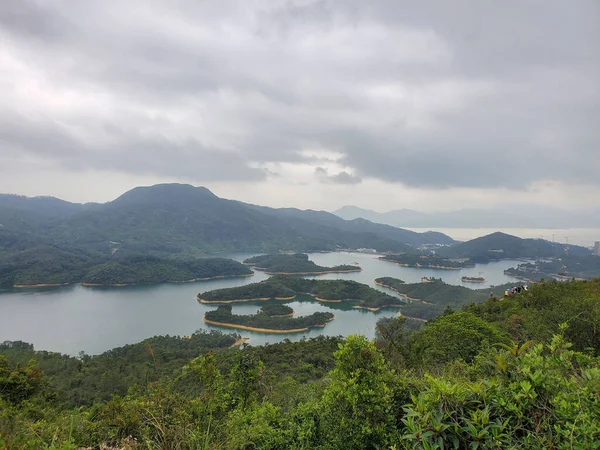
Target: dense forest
[
  {"x": 520, "y": 372},
  {"x": 261, "y": 321},
  {"x": 49, "y": 265},
  {"x": 297, "y": 263},
  {"x": 425, "y": 261}
]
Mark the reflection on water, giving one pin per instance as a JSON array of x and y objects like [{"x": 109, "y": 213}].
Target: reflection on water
[{"x": 74, "y": 318}]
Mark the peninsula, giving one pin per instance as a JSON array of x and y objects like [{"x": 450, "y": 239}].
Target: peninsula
[
  {"x": 429, "y": 300},
  {"x": 294, "y": 264},
  {"x": 426, "y": 262},
  {"x": 151, "y": 270},
  {"x": 265, "y": 322}
]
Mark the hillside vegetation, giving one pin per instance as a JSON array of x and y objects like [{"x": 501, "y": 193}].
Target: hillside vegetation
[{"x": 522, "y": 372}]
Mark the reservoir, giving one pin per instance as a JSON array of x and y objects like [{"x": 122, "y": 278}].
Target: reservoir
[{"x": 75, "y": 318}]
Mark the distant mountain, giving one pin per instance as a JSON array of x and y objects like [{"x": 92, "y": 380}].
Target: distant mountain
[
  {"x": 501, "y": 245},
  {"x": 517, "y": 216},
  {"x": 176, "y": 218}
]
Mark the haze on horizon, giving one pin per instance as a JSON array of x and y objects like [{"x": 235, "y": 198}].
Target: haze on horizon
[{"x": 384, "y": 105}]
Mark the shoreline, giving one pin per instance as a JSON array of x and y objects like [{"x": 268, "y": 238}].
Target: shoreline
[
  {"x": 474, "y": 281},
  {"x": 247, "y": 328},
  {"x": 217, "y": 277},
  {"x": 422, "y": 266},
  {"x": 40, "y": 285},
  {"x": 376, "y": 308},
  {"x": 269, "y": 272},
  {"x": 411, "y": 317},
  {"x": 243, "y": 300}
]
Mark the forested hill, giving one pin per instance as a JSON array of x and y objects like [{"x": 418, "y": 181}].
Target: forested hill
[
  {"x": 173, "y": 218},
  {"x": 501, "y": 245}
]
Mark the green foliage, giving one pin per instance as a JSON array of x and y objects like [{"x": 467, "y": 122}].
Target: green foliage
[
  {"x": 356, "y": 407},
  {"x": 296, "y": 263},
  {"x": 538, "y": 312},
  {"x": 224, "y": 315},
  {"x": 450, "y": 337},
  {"x": 546, "y": 397}
]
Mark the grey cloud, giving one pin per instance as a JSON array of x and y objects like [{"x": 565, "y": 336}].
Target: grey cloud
[
  {"x": 428, "y": 94},
  {"x": 342, "y": 177}
]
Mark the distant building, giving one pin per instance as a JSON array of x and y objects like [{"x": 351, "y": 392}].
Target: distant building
[{"x": 597, "y": 248}]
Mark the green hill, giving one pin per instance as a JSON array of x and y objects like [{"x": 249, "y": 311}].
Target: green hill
[{"x": 504, "y": 246}]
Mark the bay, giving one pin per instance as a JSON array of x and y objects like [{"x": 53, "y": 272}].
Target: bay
[{"x": 76, "y": 318}]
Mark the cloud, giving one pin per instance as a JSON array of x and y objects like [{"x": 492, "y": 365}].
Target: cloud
[
  {"x": 425, "y": 95},
  {"x": 342, "y": 177}
]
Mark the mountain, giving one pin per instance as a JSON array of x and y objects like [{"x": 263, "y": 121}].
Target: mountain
[
  {"x": 177, "y": 218},
  {"x": 513, "y": 216},
  {"x": 501, "y": 245}
]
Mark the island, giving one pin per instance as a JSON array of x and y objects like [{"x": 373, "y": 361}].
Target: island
[
  {"x": 426, "y": 262},
  {"x": 297, "y": 263},
  {"x": 262, "y": 291},
  {"x": 431, "y": 280},
  {"x": 286, "y": 287},
  {"x": 277, "y": 310},
  {"x": 150, "y": 270},
  {"x": 266, "y": 323},
  {"x": 473, "y": 280},
  {"x": 429, "y": 300}
]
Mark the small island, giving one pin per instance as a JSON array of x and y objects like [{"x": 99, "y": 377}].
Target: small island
[
  {"x": 151, "y": 270},
  {"x": 426, "y": 262},
  {"x": 473, "y": 280},
  {"x": 266, "y": 323},
  {"x": 251, "y": 292},
  {"x": 294, "y": 264},
  {"x": 286, "y": 287},
  {"x": 431, "y": 280},
  {"x": 276, "y": 310}
]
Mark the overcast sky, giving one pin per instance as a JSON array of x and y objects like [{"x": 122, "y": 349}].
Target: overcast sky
[{"x": 314, "y": 104}]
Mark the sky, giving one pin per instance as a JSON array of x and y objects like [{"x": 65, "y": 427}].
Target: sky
[{"x": 428, "y": 105}]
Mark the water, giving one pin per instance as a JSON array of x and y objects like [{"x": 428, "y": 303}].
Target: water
[
  {"x": 76, "y": 318},
  {"x": 576, "y": 236}
]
